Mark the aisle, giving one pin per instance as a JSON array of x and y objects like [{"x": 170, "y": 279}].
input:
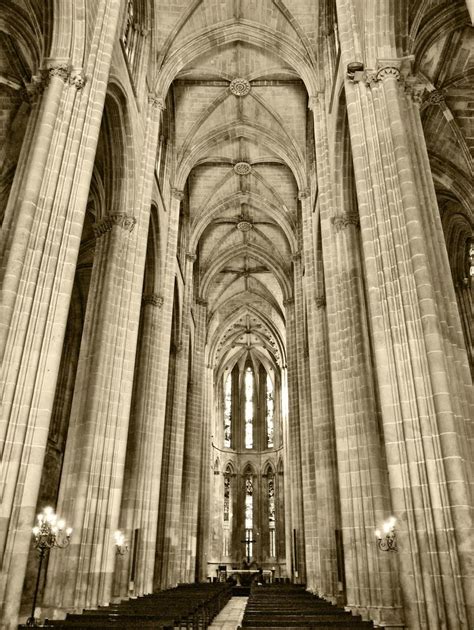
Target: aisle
[{"x": 231, "y": 615}]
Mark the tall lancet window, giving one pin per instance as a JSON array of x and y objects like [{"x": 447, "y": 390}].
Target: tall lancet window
[
  {"x": 249, "y": 516},
  {"x": 271, "y": 513},
  {"x": 249, "y": 396},
  {"x": 228, "y": 411},
  {"x": 269, "y": 412},
  {"x": 227, "y": 514},
  {"x": 129, "y": 36}
]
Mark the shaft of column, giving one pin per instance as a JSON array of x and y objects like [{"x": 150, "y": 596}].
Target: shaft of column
[
  {"x": 192, "y": 447},
  {"x": 294, "y": 469},
  {"x": 324, "y": 575},
  {"x": 174, "y": 444},
  {"x": 45, "y": 225},
  {"x": 424, "y": 399}
]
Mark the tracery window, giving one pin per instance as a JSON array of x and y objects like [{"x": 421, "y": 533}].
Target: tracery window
[
  {"x": 228, "y": 411},
  {"x": 227, "y": 512},
  {"x": 271, "y": 514},
  {"x": 249, "y": 516},
  {"x": 249, "y": 396},
  {"x": 129, "y": 36},
  {"x": 269, "y": 412}
]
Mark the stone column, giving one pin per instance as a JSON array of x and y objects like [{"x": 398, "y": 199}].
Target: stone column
[
  {"x": 294, "y": 467},
  {"x": 424, "y": 396},
  {"x": 91, "y": 483},
  {"x": 193, "y": 447},
  {"x": 306, "y": 427},
  {"x": 44, "y": 218},
  {"x": 323, "y": 576},
  {"x": 205, "y": 475},
  {"x": 141, "y": 492},
  {"x": 173, "y": 456}
]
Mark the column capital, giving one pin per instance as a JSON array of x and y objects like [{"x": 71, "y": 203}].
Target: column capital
[
  {"x": 156, "y": 101},
  {"x": 201, "y": 302},
  {"x": 120, "y": 219},
  {"x": 296, "y": 256},
  {"x": 153, "y": 299},
  {"x": 191, "y": 256},
  {"x": 56, "y": 68},
  {"x": 177, "y": 194},
  {"x": 289, "y": 302},
  {"x": 342, "y": 221},
  {"x": 34, "y": 88}
]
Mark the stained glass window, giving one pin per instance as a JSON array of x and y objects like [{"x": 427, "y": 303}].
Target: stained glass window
[
  {"x": 226, "y": 496},
  {"x": 228, "y": 411},
  {"x": 129, "y": 32},
  {"x": 269, "y": 412},
  {"x": 271, "y": 513},
  {"x": 249, "y": 516},
  {"x": 249, "y": 385}
]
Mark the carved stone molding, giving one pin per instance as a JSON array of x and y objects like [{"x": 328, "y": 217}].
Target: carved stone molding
[
  {"x": 435, "y": 97},
  {"x": 244, "y": 226},
  {"x": 242, "y": 168},
  {"x": 177, "y": 194},
  {"x": 190, "y": 256},
  {"x": 320, "y": 301},
  {"x": 239, "y": 87},
  {"x": 415, "y": 89},
  {"x": 289, "y": 302},
  {"x": 158, "y": 102},
  {"x": 78, "y": 79},
  {"x": 313, "y": 102},
  {"x": 60, "y": 70},
  {"x": 388, "y": 72},
  {"x": 119, "y": 219},
  {"x": 201, "y": 302},
  {"x": 304, "y": 194},
  {"x": 296, "y": 256},
  {"x": 153, "y": 299},
  {"x": 342, "y": 221}
]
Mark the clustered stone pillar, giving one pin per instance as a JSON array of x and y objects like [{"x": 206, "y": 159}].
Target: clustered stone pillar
[
  {"x": 323, "y": 574},
  {"x": 43, "y": 225},
  {"x": 91, "y": 484},
  {"x": 295, "y": 517},
  {"x": 424, "y": 402},
  {"x": 193, "y": 447},
  {"x": 173, "y": 457},
  {"x": 141, "y": 493}
]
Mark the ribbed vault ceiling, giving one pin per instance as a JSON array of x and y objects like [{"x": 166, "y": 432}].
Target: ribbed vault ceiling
[{"x": 241, "y": 140}]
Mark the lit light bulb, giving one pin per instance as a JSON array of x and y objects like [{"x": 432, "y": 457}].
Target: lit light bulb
[
  {"x": 61, "y": 525},
  {"x": 386, "y": 527},
  {"x": 392, "y": 520},
  {"x": 378, "y": 533},
  {"x": 36, "y": 531},
  {"x": 69, "y": 532}
]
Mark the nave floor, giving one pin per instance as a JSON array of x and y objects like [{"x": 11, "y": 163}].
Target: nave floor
[{"x": 231, "y": 615}]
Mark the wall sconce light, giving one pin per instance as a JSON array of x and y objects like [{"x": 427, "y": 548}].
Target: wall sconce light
[
  {"x": 387, "y": 541},
  {"x": 121, "y": 546}
]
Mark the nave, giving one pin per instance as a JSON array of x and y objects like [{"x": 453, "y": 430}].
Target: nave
[{"x": 236, "y": 264}]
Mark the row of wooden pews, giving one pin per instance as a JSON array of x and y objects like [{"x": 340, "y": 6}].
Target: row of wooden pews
[
  {"x": 275, "y": 606},
  {"x": 188, "y": 606}
]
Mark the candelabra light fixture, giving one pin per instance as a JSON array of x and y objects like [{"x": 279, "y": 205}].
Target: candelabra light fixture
[
  {"x": 121, "y": 546},
  {"x": 48, "y": 533},
  {"x": 387, "y": 539}
]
